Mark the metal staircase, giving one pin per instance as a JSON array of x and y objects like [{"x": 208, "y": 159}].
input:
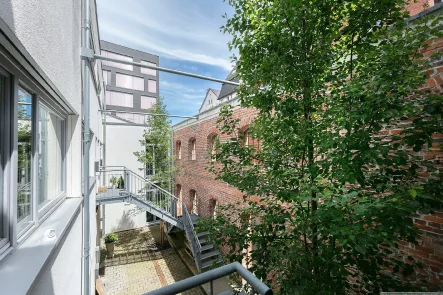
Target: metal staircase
[{"x": 132, "y": 188}]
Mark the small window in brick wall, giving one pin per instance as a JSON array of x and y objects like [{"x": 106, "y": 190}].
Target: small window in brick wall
[
  {"x": 179, "y": 195},
  {"x": 212, "y": 145},
  {"x": 214, "y": 208},
  {"x": 251, "y": 141},
  {"x": 178, "y": 147},
  {"x": 193, "y": 149},
  {"x": 194, "y": 202}
]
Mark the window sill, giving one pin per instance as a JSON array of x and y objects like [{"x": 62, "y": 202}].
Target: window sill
[{"x": 21, "y": 268}]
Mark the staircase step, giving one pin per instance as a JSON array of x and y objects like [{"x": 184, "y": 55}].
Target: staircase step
[
  {"x": 210, "y": 254},
  {"x": 203, "y": 241},
  {"x": 207, "y": 247},
  {"x": 202, "y": 234},
  {"x": 208, "y": 263}
]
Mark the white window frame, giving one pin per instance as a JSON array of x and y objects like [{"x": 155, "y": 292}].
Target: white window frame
[
  {"x": 50, "y": 204},
  {"x": 9, "y": 146},
  {"x": 5, "y": 164}
]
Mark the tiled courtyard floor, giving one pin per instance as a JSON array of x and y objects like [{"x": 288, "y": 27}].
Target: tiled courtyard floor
[{"x": 140, "y": 266}]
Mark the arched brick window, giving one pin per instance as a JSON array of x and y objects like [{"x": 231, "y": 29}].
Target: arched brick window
[
  {"x": 194, "y": 201},
  {"x": 178, "y": 149},
  {"x": 179, "y": 195},
  {"x": 213, "y": 207},
  {"x": 251, "y": 141},
  {"x": 212, "y": 144},
  {"x": 192, "y": 148}
]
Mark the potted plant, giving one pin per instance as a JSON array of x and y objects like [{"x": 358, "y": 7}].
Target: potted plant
[
  {"x": 113, "y": 181},
  {"x": 110, "y": 240},
  {"x": 101, "y": 269},
  {"x": 121, "y": 183}
]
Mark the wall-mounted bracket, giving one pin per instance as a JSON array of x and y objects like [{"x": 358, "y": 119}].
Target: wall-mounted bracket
[{"x": 87, "y": 53}]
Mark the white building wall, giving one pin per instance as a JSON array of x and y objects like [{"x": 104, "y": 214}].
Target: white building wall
[
  {"x": 62, "y": 273},
  {"x": 121, "y": 143},
  {"x": 209, "y": 102},
  {"x": 50, "y": 31}
]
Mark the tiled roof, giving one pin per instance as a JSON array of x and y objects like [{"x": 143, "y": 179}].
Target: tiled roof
[{"x": 228, "y": 88}]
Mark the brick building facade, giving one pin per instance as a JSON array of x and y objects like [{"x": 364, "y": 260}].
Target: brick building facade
[
  {"x": 193, "y": 181},
  {"x": 201, "y": 192}
]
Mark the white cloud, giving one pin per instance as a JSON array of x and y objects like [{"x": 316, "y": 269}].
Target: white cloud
[
  {"x": 182, "y": 30},
  {"x": 177, "y": 86}
]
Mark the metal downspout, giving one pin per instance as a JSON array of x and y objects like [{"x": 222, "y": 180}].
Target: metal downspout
[
  {"x": 104, "y": 153},
  {"x": 86, "y": 27}
]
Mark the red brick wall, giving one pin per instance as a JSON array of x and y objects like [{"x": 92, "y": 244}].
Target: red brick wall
[
  {"x": 429, "y": 250},
  {"x": 192, "y": 174},
  {"x": 419, "y": 6}
]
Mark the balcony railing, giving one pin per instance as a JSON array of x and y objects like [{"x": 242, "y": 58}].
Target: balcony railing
[{"x": 257, "y": 286}]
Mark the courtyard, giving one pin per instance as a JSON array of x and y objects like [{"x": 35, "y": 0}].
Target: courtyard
[{"x": 141, "y": 264}]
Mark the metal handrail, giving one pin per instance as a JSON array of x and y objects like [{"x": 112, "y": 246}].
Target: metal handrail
[
  {"x": 211, "y": 275},
  {"x": 144, "y": 186}
]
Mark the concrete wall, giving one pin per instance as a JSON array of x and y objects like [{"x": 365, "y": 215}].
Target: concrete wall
[
  {"x": 56, "y": 277},
  {"x": 50, "y": 32},
  {"x": 122, "y": 142}
]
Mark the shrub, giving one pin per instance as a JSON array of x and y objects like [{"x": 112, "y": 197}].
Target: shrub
[{"x": 110, "y": 238}]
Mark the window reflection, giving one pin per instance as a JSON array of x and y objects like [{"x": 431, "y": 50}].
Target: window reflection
[
  {"x": 50, "y": 162},
  {"x": 2, "y": 99},
  {"x": 24, "y": 161}
]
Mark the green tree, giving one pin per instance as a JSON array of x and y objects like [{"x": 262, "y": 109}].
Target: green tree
[
  {"x": 156, "y": 154},
  {"x": 329, "y": 79}
]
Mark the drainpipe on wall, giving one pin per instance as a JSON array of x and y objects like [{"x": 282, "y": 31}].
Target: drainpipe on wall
[
  {"x": 86, "y": 30},
  {"x": 104, "y": 154}
]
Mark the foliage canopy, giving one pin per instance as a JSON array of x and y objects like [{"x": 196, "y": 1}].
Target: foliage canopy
[
  {"x": 156, "y": 153},
  {"x": 329, "y": 79}
]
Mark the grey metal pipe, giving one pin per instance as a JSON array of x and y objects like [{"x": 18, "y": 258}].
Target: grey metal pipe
[
  {"x": 212, "y": 275},
  {"x": 137, "y": 64},
  {"x": 104, "y": 126},
  {"x": 147, "y": 114},
  {"x": 86, "y": 146},
  {"x": 104, "y": 154}
]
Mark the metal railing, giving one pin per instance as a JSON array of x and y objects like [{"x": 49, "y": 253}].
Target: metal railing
[
  {"x": 150, "y": 193},
  {"x": 257, "y": 286},
  {"x": 24, "y": 200}
]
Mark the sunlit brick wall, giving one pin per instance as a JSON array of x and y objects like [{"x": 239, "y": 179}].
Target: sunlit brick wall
[{"x": 193, "y": 175}]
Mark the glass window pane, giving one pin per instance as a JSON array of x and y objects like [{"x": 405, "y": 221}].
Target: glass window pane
[
  {"x": 138, "y": 83},
  {"x": 119, "y": 99},
  {"x": 152, "y": 86},
  {"x": 148, "y": 71},
  {"x": 50, "y": 161},
  {"x": 2, "y": 160},
  {"x": 130, "y": 82},
  {"x": 24, "y": 165},
  {"x": 107, "y": 77},
  {"x": 115, "y": 64},
  {"x": 147, "y": 102},
  {"x": 123, "y": 81}
]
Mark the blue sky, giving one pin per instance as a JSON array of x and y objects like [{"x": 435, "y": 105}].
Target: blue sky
[{"x": 185, "y": 34}]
